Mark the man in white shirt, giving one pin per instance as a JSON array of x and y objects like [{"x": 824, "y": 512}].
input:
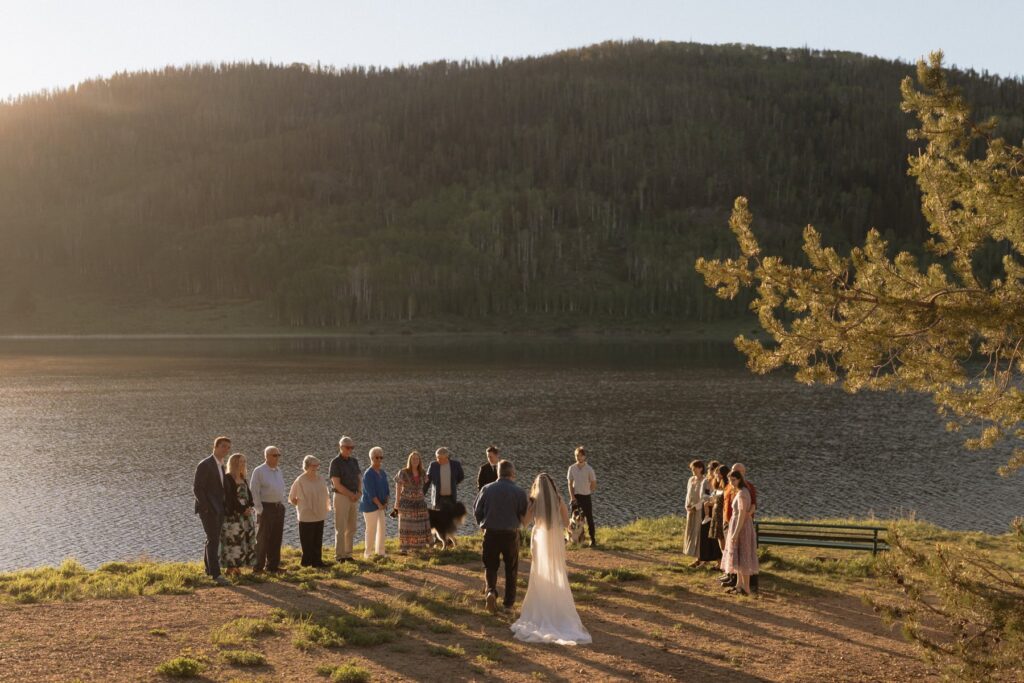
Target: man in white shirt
[
  {"x": 582, "y": 484},
  {"x": 268, "y": 496}
]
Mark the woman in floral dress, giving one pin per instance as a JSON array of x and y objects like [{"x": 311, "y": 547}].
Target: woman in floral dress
[
  {"x": 238, "y": 535},
  {"x": 413, "y": 519},
  {"x": 740, "y": 556}
]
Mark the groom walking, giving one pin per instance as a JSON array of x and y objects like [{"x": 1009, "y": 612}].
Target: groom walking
[{"x": 499, "y": 510}]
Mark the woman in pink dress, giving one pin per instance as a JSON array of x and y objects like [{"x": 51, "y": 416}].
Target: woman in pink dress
[{"x": 740, "y": 556}]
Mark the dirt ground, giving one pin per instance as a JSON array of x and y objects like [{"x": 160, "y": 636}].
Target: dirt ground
[{"x": 675, "y": 624}]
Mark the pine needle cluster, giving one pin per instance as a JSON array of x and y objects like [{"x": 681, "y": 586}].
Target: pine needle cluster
[{"x": 869, "y": 321}]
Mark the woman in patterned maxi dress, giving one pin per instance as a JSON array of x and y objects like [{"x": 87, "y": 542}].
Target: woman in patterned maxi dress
[
  {"x": 413, "y": 519},
  {"x": 238, "y": 534}
]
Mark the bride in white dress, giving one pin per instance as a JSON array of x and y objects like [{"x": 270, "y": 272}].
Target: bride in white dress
[{"x": 549, "y": 613}]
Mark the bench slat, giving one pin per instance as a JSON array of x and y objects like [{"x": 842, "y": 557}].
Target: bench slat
[
  {"x": 823, "y": 525},
  {"x": 822, "y": 544}
]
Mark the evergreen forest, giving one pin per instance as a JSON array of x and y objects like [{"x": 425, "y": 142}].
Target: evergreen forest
[{"x": 573, "y": 189}]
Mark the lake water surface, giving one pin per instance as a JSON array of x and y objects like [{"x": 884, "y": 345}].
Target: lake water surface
[{"x": 101, "y": 437}]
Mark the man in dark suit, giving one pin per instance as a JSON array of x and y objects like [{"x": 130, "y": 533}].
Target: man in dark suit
[
  {"x": 208, "y": 488},
  {"x": 443, "y": 478},
  {"x": 489, "y": 470}
]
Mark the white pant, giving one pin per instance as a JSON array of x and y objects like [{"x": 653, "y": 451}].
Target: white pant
[{"x": 376, "y": 532}]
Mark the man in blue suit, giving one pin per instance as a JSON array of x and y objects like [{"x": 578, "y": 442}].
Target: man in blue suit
[
  {"x": 208, "y": 487},
  {"x": 443, "y": 478}
]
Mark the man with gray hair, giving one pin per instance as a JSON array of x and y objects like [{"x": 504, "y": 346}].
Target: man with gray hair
[
  {"x": 499, "y": 510},
  {"x": 347, "y": 484},
  {"x": 268, "y": 496},
  {"x": 443, "y": 478}
]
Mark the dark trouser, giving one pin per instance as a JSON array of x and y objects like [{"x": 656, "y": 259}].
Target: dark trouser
[
  {"x": 212, "y": 523},
  {"x": 500, "y": 545},
  {"x": 311, "y": 536},
  {"x": 269, "y": 535},
  {"x": 587, "y": 505},
  {"x": 445, "y": 502}
]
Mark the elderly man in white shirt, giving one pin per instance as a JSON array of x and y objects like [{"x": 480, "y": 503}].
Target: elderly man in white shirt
[
  {"x": 582, "y": 484},
  {"x": 268, "y": 495}
]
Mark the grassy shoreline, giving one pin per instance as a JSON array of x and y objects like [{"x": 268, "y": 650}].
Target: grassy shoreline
[
  {"x": 71, "y": 581},
  {"x": 818, "y": 616}
]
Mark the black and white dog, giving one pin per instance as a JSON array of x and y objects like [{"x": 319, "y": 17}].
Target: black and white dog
[
  {"x": 444, "y": 523},
  {"x": 577, "y": 530}
]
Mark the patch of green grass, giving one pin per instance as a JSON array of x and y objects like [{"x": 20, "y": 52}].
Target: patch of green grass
[
  {"x": 362, "y": 632},
  {"x": 662, "y": 534},
  {"x": 441, "y": 626},
  {"x": 158, "y": 632},
  {"x": 620, "y": 574},
  {"x": 450, "y": 651},
  {"x": 583, "y": 592},
  {"x": 241, "y": 631},
  {"x": 71, "y": 581},
  {"x": 244, "y": 657},
  {"x": 350, "y": 672},
  {"x": 492, "y": 651},
  {"x": 309, "y": 635},
  {"x": 368, "y": 637},
  {"x": 251, "y": 627},
  {"x": 442, "y": 602},
  {"x": 466, "y": 552},
  {"x": 579, "y": 587},
  {"x": 366, "y": 625},
  {"x": 854, "y": 565},
  {"x": 181, "y": 667}
]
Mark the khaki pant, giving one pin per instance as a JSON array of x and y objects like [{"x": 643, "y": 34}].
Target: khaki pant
[{"x": 344, "y": 525}]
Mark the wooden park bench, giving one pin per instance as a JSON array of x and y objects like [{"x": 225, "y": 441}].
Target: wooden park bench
[{"x": 807, "y": 534}]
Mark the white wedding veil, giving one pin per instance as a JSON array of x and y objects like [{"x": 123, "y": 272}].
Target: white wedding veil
[
  {"x": 547, "y": 503},
  {"x": 549, "y": 612}
]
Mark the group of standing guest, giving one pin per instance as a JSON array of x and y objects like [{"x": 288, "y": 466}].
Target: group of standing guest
[
  {"x": 243, "y": 516},
  {"x": 720, "y": 506}
]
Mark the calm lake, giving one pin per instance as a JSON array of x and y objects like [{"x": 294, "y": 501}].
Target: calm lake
[{"x": 101, "y": 437}]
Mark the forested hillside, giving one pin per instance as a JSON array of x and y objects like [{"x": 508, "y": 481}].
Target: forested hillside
[{"x": 573, "y": 187}]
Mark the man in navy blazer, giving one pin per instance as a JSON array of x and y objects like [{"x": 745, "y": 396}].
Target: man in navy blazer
[
  {"x": 208, "y": 488},
  {"x": 443, "y": 478}
]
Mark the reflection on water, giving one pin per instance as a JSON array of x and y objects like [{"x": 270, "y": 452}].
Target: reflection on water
[{"x": 101, "y": 436}]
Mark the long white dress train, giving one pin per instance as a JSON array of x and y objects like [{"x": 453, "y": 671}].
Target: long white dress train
[{"x": 549, "y": 612}]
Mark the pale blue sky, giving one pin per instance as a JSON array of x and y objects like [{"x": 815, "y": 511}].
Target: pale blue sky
[{"x": 46, "y": 43}]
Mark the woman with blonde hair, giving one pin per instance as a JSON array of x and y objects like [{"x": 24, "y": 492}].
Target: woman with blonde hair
[
  {"x": 549, "y": 612},
  {"x": 238, "y": 534},
  {"x": 411, "y": 505},
  {"x": 309, "y": 496}
]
